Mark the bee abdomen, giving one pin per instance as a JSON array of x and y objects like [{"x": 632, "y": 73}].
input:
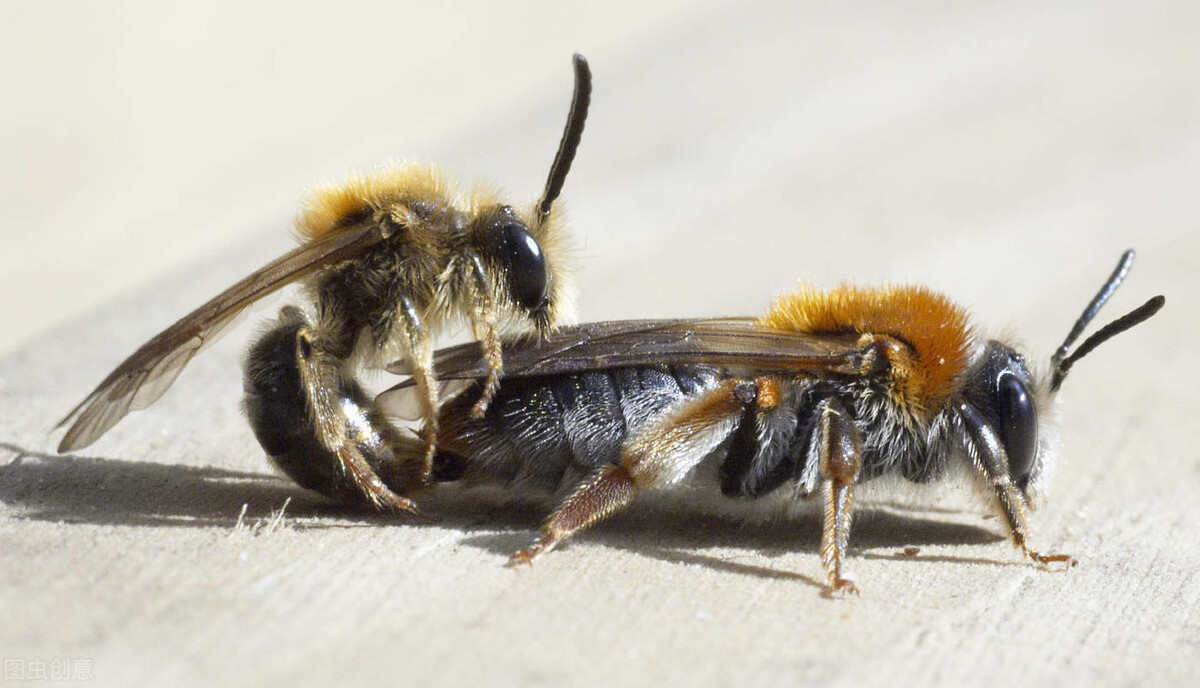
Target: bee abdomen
[
  {"x": 280, "y": 415},
  {"x": 547, "y": 433}
]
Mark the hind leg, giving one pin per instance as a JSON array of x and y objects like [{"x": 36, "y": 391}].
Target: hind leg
[
  {"x": 660, "y": 455},
  {"x": 317, "y": 424}
]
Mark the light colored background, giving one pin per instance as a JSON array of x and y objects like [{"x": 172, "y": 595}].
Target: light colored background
[{"x": 1004, "y": 153}]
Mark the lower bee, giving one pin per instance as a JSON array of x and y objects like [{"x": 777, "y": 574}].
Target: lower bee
[
  {"x": 387, "y": 259},
  {"x": 827, "y": 390}
]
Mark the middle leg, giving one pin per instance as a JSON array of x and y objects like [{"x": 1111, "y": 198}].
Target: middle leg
[{"x": 840, "y": 456}]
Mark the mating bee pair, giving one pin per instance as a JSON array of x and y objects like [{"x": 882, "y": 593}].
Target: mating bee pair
[{"x": 825, "y": 391}]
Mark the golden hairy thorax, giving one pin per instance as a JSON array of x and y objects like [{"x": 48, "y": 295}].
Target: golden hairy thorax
[
  {"x": 931, "y": 336},
  {"x": 390, "y": 187}
]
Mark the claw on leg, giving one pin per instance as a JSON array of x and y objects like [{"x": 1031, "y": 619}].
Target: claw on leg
[
  {"x": 1066, "y": 560},
  {"x": 379, "y": 495},
  {"x": 401, "y": 505},
  {"x": 842, "y": 587},
  {"x": 526, "y": 556}
]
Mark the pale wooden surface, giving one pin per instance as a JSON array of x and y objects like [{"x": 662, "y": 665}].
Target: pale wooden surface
[{"x": 1004, "y": 153}]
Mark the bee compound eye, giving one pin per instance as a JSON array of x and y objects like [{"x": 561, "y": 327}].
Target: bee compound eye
[
  {"x": 529, "y": 276},
  {"x": 1018, "y": 426}
]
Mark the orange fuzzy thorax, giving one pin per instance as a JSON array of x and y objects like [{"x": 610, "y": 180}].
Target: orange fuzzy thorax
[{"x": 935, "y": 331}]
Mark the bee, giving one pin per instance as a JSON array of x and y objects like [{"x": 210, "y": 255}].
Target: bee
[
  {"x": 387, "y": 260},
  {"x": 827, "y": 390}
]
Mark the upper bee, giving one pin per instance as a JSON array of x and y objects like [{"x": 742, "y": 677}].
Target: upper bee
[
  {"x": 388, "y": 259},
  {"x": 449, "y": 246}
]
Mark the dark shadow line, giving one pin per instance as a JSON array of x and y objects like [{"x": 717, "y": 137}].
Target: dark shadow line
[
  {"x": 87, "y": 489},
  {"x": 95, "y": 490},
  {"x": 941, "y": 559},
  {"x": 727, "y": 566},
  {"x": 676, "y": 533}
]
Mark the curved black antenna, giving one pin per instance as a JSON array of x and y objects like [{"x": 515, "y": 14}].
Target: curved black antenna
[
  {"x": 1138, "y": 315},
  {"x": 1110, "y": 286},
  {"x": 1061, "y": 362},
  {"x": 570, "y": 138}
]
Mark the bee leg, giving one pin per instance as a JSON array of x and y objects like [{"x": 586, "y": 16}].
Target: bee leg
[
  {"x": 837, "y": 446},
  {"x": 661, "y": 454},
  {"x": 337, "y": 406},
  {"x": 484, "y": 325},
  {"x": 315, "y": 422},
  {"x": 990, "y": 459},
  {"x": 419, "y": 350}
]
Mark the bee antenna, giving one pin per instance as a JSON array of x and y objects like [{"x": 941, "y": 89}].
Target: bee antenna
[
  {"x": 1110, "y": 286},
  {"x": 1062, "y": 362},
  {"x": 570, "y": 138}
]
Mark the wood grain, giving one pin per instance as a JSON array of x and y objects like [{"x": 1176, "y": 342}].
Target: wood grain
[{"x": 1004, "y": 153}]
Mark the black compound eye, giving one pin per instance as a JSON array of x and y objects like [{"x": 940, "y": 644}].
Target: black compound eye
[
  {"x": 1018, "y": 426},
  {"x": 528, "y": 274}
]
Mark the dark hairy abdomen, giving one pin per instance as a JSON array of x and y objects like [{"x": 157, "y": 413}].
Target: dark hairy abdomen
[
  {"x": 546, "y": 433},
  {"x": 275, "y": 406}
]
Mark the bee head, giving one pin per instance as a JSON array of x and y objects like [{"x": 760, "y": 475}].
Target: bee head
[
  {"x": 526, "y": 252},
  {"x": 1002, "y": 398},
  {"x": 520, "y": 269},
  {"x": 1000, "y": 389}
]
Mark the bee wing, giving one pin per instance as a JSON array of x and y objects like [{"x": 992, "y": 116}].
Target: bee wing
[
  {"x": 725, "y": 342},
  {"x": 613, "y": 344},
  {"x": 143, "y": 377}
]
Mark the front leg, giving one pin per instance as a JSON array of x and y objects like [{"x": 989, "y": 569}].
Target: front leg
[
  {"x": 484, "y": 325},
  {"x": 990, "y": 459}
]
